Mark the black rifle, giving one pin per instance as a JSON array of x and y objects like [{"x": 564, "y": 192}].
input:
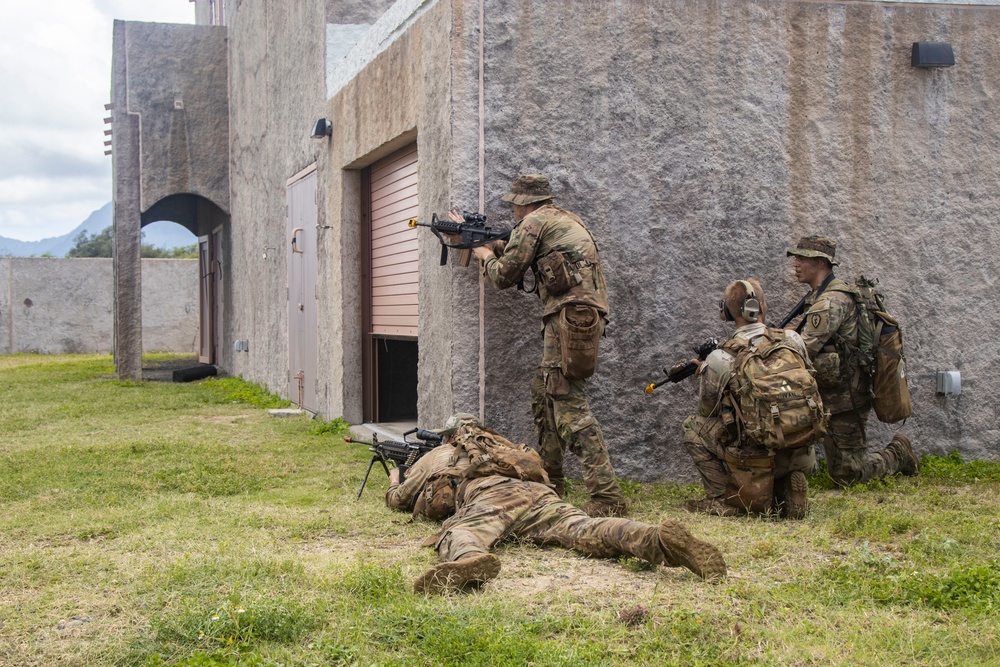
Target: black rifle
[
  {"x": 796, "y": 311},
  {"x": 472, "y": 233},
  {"x": 685, "y": 369},
  {"x": 800, "y": 307},
  {"x": 403, "y": 454}
]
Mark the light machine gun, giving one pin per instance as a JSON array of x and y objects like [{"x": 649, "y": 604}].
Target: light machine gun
[
  {"x": 403, "y": 454},
  {"x": 685, "y": 369},
  {"x": 472, "y": 233}
]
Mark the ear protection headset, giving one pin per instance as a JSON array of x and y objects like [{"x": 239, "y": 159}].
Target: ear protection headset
[{"x": 749, "y": 310}]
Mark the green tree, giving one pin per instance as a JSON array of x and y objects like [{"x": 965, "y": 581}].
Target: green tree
[
  {"x": 99, "y": 245},
  {"x": 91, "y": 245}
]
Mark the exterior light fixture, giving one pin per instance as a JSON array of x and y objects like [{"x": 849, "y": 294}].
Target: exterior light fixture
[
  {"x": 322, "y": 128},
  {"x": 932, "y": 54}
]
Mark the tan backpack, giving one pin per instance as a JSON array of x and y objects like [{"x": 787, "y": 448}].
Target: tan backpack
[
  {"x": 492, "y": 454},
  {"x": 777, "y": 405},
  {"x": 887, "y": 365},
  {"x": 489, "y": 454}
]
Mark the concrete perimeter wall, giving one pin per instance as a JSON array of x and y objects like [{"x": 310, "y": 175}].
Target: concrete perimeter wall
[{"x": 65, "y": 306}]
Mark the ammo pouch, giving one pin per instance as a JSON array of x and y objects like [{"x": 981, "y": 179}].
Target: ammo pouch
[
  {"x": 750, "y": 486},
  {"x": 556, "y": 274},
  {"x": 580, "y": 329},
  {"x": 827, "y": 365},
  {"x": 437, "y": 500}
]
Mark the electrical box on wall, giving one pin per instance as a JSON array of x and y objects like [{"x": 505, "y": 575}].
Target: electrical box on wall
[
  {"x": 949, "y": 383},
  {"x": 241, "y": 346}
]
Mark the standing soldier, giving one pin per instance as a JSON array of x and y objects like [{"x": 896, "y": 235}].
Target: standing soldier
[
  {"x": 563, "y": 255},
  {"x": 830, "y": 331}
]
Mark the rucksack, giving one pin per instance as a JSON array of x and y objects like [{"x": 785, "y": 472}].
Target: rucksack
[
  {"x": 880, "y": 353},
  {"x": 492, "y": 454},
  {"x": 489, "y": 454},
  {"x": 777, "y": 403}
]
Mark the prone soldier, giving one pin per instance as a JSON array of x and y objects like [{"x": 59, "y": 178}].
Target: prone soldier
[{"x": 494, "y": 507}]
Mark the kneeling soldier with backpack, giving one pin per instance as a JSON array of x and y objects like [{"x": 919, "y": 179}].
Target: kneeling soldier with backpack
[
  {"x": 857, "y": 351},
  {"x": 759, "y": 415}
]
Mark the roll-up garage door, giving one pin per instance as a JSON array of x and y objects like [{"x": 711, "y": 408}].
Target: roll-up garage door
[{"x": 394, "y": 245}]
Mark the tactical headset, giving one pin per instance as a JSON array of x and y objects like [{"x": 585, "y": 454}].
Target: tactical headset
[{"x": 749, "y": 310}]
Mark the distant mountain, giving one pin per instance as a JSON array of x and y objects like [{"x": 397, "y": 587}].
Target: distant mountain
[{"x": 164, "y": 234}]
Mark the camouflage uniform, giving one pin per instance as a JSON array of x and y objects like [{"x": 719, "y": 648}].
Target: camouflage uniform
[
  {"x": 494, "y": 508},
  {"x": 830, "y": 331},
  {"x": 561, "y": 412},
  {"x": 709, "y": 435},
  {"x": 402, "y": 497}
]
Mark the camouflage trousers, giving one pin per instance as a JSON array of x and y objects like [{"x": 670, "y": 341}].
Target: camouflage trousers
[
  {"x": 510, "y": 508},
  {"x": 847, "y": 457},
  {"x": 564, "y": 421},
  {"x": 706, "y": 441}
]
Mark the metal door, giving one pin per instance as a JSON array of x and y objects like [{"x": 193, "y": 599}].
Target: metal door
[
  {"x": 302, "y": 289},
  {"x": 390, "y": 283},
  {"x": 206, "y": 302}
]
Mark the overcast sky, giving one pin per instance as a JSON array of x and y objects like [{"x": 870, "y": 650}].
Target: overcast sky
[{"x": 55, "y": 78}]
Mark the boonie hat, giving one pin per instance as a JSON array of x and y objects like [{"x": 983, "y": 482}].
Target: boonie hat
[
  {"x": 456, "y": 421},
  {"x": 815, "y": 246},
  {"x": 528, "y": 189}
]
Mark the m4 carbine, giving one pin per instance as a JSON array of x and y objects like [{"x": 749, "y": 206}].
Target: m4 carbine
[
  {"x": 685, "y": 369},
  {"x": 403, "y": 454},
  {"x": 471, "y": 233}
]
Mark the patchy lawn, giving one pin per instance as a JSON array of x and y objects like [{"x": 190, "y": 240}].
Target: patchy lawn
[{"x": 168, "y": 524}]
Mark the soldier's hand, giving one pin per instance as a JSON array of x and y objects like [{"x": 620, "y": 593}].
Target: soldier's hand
[
  {"x": 484, "y": 252},
  {"x": 394, "y": 477},
  {"x": 700, "y": 364},
  {"x": 455, "y": 216}
]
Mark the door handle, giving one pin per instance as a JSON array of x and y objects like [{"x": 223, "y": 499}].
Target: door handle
[{"x": 295, "y": 248}]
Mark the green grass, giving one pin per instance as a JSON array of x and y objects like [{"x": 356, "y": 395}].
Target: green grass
[{"x": 159, "y": 524}]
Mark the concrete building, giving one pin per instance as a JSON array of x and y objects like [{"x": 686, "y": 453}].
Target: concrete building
[{"x": 698, "y": 138}]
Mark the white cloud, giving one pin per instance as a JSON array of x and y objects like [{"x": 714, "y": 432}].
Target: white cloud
[{"x": 55, "y": 71}]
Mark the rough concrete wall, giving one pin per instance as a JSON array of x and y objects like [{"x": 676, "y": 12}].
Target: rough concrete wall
[
  {"x": 276, "y": 91},
  {"x": 399, "y": 97},
  {"x": 126, "y": 172},
  {"x": 347, "y": 23},
  {"x": 700, "y": 138},
  {"x": 65, "y": 306},
  {"x": 177, "y": 85}
]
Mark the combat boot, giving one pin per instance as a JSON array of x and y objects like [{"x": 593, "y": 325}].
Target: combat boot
[
  {"x": 713, "y": 506},
  {"x": 596, "y": 508},
  {"x": 906, "y": 462},
  {"x": 681, "y": 549},
  {"x": 456, "y": 575},
  {"x": 792, "y": 495}
]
